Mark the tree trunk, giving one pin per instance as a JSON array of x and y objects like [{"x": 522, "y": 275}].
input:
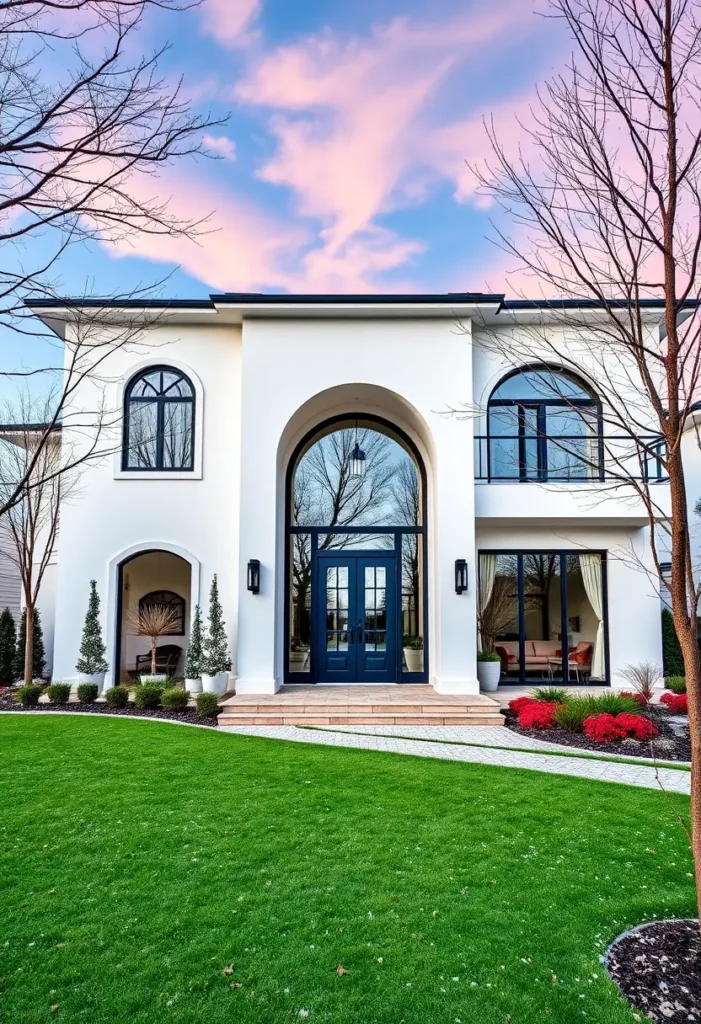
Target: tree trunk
[
  {"x": 153, "y": 656},
  {"x": 692, "y": 670},
  {"x": 29, "y": 645}
]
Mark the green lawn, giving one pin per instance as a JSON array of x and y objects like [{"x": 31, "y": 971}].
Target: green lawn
[{"x": 140, "y": 860}]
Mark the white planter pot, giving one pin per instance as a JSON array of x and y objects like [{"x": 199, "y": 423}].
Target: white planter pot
[
  {"x": 193, "y": 685},
  {"x": 489, "y": 674},
  {"x": 414, "y": 660},
  {"x": 215, "y": 684},
  {"x": 92, "y": 677},
  {"x": 157, "y": 678},
  {"x": 298, "y": 660}
]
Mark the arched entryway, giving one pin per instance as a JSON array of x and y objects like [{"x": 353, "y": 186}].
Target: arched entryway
[
  {"x": 152, "y": 576},
  {"x": 356, "y": 582}
]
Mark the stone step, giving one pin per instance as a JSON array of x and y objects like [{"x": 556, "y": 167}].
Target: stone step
[
  {"x": 289, "y": 716},
  {"x": 291, "y": 707}
]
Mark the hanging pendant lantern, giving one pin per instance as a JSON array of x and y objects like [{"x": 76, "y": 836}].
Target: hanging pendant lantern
[
  {"x": 357, "y": 466},
  {"x": 358, "y": 461}
]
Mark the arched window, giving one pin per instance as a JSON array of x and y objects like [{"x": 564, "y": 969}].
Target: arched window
[
  {"x": 544, "y": 424},
  {"x": 159, "y": 423},
  {"x": 172, "y": 600}
]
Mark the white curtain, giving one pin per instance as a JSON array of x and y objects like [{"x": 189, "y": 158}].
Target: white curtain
[
  {"x": 590, "y": 566},
  {"x": 487, "y": 572}
]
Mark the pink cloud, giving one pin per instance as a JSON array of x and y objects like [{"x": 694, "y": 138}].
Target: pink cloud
[
  {"x": 229, "y": 20},
  {"x": 220, "y": 145}
]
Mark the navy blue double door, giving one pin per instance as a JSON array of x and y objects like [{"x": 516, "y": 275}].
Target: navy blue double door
[{"x": 356, "y": 618}]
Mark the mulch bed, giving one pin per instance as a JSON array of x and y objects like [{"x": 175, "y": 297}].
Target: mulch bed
[
  {"x": 679, "y": 750},
  {"x": 190, "y": 716},
  {"x": 658, "y": 969}
]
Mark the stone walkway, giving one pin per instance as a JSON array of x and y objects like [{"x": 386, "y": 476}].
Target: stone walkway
[{"x": 645, "y": 776}]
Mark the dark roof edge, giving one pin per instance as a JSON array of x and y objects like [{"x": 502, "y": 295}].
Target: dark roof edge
[
  {"x": 520, "y": 304},
  {"x": 371, "y": 298},
  {"x": 13, "y": 428},
  {"x": 119, "y": 303}
]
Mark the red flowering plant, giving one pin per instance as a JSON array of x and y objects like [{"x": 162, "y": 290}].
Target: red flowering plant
[
  {"x": 639, "y": 698},
  {"x": 521, "y": 702},
  {"x": 536, "y": 715},
  {"x": 605, "y": 728},
  {"x": 675, "y": 703}
]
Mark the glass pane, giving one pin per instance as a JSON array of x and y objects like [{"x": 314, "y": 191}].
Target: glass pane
[
  {"x": 177, "y": 435},
  {"x": 326, "y": 492},
  {"x": 356, "y": 542},
  {"x": 174, "y": 386},
  {"x": 141, "y": 435},
  {"x": 542, "y": 615},
  {"x": 337, "y": 608},
  {"x": 300, "y": 602},
  {"x": 542, "y": 384},
  {"x": 585, "y": 630},
  {"x": 147, "y": 386},
  {"x": 497, "y": 616},
  {"x": 412, "y": 603},
  {"x": 504, "y": 459},
  {"x": 375, "y": 608}
]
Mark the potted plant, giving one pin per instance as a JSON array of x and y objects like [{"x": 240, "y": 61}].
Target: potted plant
[
  {"x": 299, "y": 654},
  {"x": 216, "y": 662},
  {"x": 488, "y": 670},
  {"x": 195, "y": 654},
  {"x": 413, "y": 647},
  {"x": 91, "y": 665},
  {"x": 154, "y": 621}
]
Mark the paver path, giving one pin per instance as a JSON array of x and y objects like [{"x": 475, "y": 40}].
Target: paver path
[{"x": 645, "y": 776}]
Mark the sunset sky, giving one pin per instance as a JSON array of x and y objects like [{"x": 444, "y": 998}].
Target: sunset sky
[{"x": 343, "y": 163}]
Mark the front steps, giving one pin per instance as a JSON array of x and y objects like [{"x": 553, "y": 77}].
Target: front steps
[{"x": 360, "y": 705}]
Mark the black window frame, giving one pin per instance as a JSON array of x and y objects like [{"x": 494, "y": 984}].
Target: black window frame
[
  {"x": 179, "y": 602},
  {"x": 161, "y": 401},
  {"x": 541, "y": 436},
  {"x": 562, "y": 554}
]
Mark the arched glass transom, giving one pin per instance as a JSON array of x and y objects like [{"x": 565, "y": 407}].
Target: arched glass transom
[
  {"x": 543, "y": 424},
  {"x": 356, "y": 603},
  {"x": 159, "y": 424}
]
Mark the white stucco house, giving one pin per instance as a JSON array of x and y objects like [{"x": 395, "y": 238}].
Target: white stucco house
[{"x": 365, "y": 475}]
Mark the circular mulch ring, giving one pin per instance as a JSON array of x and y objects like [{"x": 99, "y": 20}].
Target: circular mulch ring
[
  {"x": 657, "y": 966},
  {"x": 673, "y": 747}
]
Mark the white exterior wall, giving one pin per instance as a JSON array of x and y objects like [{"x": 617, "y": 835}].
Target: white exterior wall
[
  {"x": 112, "y": 518},
  {"x": 418, "y": 369},
  {"x": 634, "y": 626},
  {"x": 260, "y": 389}
]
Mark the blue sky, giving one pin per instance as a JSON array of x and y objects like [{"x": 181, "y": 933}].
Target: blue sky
[{"x": 342, "y": 166}]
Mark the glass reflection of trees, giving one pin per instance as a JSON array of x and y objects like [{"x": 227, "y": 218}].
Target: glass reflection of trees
[{"x": 325, "y": 493}]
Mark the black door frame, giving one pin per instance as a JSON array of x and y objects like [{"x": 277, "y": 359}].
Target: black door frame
[
  {"x": 386, "y": 427},
  {"x": 562, "y": 554}
]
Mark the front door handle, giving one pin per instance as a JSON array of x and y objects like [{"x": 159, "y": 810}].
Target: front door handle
[
  {"x": 350, "y": 635},
  {"x": 360, "y": 632}
]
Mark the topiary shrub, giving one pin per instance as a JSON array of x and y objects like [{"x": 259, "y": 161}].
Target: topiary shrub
[
  {"x": 207, "y": 703},
  {"x": 117, "y": 696},
  {"x": 58, "y": 693},
  {"x": 677, "y": 684},
  {"x": 147, "y": 696},
  {"x": 87, "y": 693},
  {"x": 175, "y": 699},
  {"x": 672, "y": 659},
  {"x": 29, "y": 695}
]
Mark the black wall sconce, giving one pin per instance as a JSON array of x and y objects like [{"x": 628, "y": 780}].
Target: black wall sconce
[
  {"x": 254, "y": 576},
  {"x": 460, "y": 575}
]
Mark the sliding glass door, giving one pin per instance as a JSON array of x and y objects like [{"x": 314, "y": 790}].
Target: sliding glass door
[{"x": 544, "y": 613}]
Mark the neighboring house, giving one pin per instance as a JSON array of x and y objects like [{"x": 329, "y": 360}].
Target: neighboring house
[
  {"x": 10, "y": 583},
  {"x": 306, "y": 449}
]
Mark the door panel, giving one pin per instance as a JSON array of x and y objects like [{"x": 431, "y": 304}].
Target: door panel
[{"x": 356, "y": 622}]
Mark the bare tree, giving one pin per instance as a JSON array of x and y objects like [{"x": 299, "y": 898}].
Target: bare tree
[
  {"x": 86, "y": 124},
  {"x": 606, "y": 198},
  {"x": 32, "y": 521}
]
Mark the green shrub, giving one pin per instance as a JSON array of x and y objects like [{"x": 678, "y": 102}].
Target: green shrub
[
  {"x": 677, "y": 684},
  {"x": 29, "y": 695},
  {"x": 672, "y": 660},
  {"x": 58, "y": 693},
  {"x": 117, "y": 696},
  {"x": 87, "y": 693},
  {"x": 147, "y": 696},
  {"x": 571, "y": 714},
  {"x": 175, "y": 699},
  {"x": 551, "y": 694},
  {"x": 207, "y": 703}
]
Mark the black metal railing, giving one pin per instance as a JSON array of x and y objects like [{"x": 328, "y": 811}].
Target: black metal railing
[{"x": 573, "y": 458}]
